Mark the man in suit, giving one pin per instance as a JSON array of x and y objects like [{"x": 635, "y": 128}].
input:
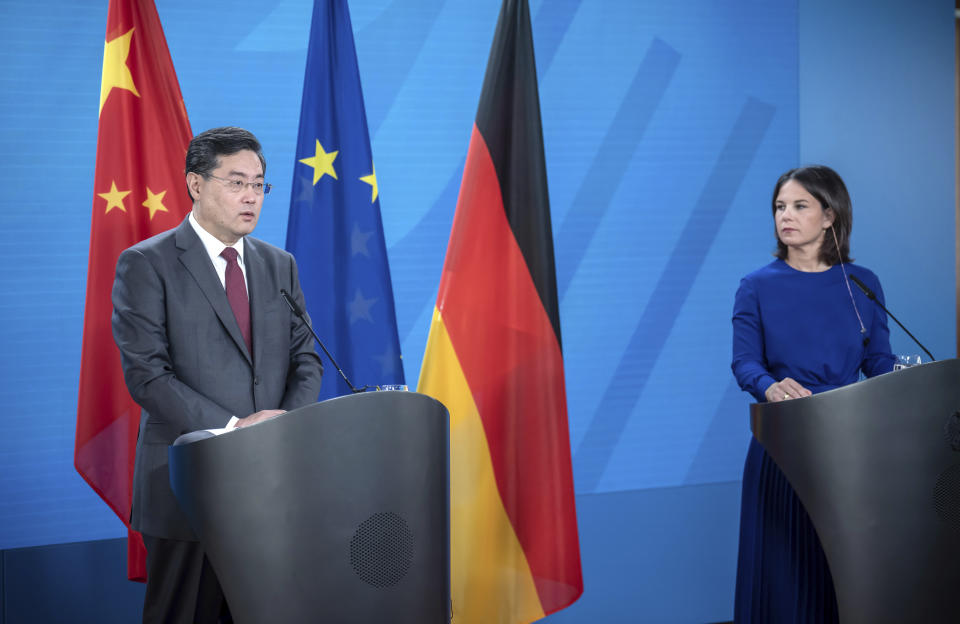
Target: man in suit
[{"x": 206, "y": 342}]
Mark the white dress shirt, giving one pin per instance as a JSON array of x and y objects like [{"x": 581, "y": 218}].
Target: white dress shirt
[{"x": 214, "y": 248}]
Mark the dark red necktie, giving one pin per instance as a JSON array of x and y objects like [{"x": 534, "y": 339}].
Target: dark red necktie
[{"x": 237, "y": 294}]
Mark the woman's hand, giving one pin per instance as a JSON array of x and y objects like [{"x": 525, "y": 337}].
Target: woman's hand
[{"x": 785, "y": 389}]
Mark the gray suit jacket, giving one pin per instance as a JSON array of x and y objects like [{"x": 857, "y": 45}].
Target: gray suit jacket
[{"x": 185, "y": 362}]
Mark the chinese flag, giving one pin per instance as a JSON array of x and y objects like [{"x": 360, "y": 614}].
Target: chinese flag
[
  {"x": 494, "y": 359},
  {"x": 139, "y": 191}
]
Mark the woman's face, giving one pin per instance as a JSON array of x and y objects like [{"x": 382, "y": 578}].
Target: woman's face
[{"x": 800, "y": 219}]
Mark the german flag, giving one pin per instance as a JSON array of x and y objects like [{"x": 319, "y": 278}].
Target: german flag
[{"x": 494, "y": 359}]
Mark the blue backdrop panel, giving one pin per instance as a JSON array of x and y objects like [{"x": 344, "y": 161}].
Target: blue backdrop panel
[
  {"x": 884, "y": 118},
  {"x": 51, "y": 56},
  {"x": 80, "y": 583}
]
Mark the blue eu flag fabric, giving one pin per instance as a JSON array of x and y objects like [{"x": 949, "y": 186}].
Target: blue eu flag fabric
[{"x": 335, "y": 231}]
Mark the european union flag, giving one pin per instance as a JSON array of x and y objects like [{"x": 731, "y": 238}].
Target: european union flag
[{"x": 335, "y": 230}]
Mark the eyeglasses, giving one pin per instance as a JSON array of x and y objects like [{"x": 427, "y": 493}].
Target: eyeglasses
[{"x": 235, "y": 186}]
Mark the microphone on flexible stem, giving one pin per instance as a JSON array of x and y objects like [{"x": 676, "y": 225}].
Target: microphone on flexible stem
[
  {"x": 299, "y": 312},
  {"x": 873, "y": 297}
]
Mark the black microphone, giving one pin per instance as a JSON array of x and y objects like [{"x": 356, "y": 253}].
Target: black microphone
[
  {"x": 299, "y": 312},
  {"x": 873, "y": 297}
]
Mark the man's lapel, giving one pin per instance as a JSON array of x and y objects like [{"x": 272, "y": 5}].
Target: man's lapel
[
  {"x": 193, "y": 256},
  {"x": 260, "y": 293}
]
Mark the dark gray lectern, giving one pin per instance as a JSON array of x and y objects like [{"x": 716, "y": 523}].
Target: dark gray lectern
[
  {"x": 335, "y": 512},
  {"x": 876, "y": 464}
]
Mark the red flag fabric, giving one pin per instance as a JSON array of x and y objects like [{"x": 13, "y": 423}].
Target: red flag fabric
[
  {"x": 139, "y": 191},
  {"x": 494, "y": 358}
]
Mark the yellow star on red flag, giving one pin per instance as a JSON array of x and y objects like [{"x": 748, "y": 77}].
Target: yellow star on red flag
[
  {"x": 154, "y": 202},
  {"x": 116, "y": 73},
  {"x": 114, "y": 197}
]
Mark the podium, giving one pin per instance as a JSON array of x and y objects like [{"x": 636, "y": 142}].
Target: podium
[
  {"x": 877, "y": 467},
  {"x": 334, "y": 512}
]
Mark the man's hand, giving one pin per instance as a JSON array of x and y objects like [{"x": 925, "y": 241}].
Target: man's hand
[{"x": 260, "y": 416}]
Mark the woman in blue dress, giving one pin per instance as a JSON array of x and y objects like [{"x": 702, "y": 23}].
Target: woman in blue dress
[{"x": 799, "y": 327}]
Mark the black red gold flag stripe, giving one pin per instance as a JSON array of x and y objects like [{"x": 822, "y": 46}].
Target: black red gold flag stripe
[{"x": 494, "y": 358}]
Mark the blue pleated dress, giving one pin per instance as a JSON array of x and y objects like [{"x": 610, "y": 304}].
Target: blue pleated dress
[{"x": 788, "y": 323}]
